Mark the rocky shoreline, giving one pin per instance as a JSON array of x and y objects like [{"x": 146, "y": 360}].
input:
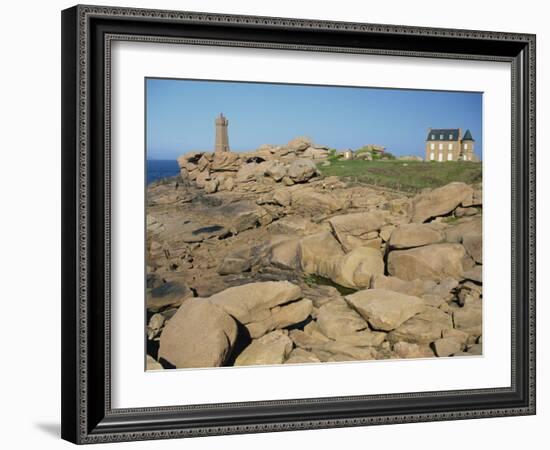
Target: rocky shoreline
[{"x": 254, "y": 258}]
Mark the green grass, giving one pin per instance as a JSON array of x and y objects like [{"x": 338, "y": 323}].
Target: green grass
[
  {"x": 451, "y": 219},
  {"x": 408, "y": 176},
  {"x": 312, "y": 280}
]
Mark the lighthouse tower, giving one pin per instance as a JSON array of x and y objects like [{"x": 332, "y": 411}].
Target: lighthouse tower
[{"x": 222, "y": 139}]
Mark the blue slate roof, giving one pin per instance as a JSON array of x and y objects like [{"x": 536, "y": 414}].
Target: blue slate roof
[
  {"x": 468, "y": 136},
  {"x": 443, "y": 134}
]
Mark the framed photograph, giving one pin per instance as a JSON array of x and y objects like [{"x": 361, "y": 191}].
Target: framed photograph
[{"x": 280, "y": 224}]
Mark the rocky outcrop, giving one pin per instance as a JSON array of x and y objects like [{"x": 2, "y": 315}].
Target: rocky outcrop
[
  {"x": 252, "y": 262},
  {"x": 170, "y": 293},
  {"x": 301, "y": 170},
  {"x": 431, "y": 262},
  {"x": 415, "y": 287},
  {"x": 469, "y": 320},
  {"x": 253, "y": 302},
  {"x": 313, "y": 202},
  {"x": 353, "y": 230},
  {"x": 273, "y": 348},
  {"x": 322, "y": 255},
  {"x": 336, "y": 319},
  {"x": 199, "y": 335},
  {"x": 447, "y": 346},
  {"x": 385, "y": 310},
  {"x": 424, "y": 328},
  {"x": 226, "y": 171},
  {"x": 415, "y": 235},
  {"x": 281, "y": 317},
  {"x": 285, "y": 254},
  {"x": 472, "y": 242},
  {"x": 440, "y": 201},
  {"x": 356, "y": 268}
]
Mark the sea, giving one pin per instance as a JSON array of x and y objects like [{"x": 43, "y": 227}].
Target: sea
[{"x": 161, "y": 168}]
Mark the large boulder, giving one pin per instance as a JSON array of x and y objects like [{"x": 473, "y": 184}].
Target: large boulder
[
  {"x": 301, "y": 170},
  {"x": 320, "y": 253},
  {"x": 415, "y": 235},
  {"x": 424, "y": 328},
  {"x": 416, "y": 288},
  {"x": 356, "y": 268},
  {"x": 431, "y": 262},
  {"x": 307, "y": 200},
  {"x": 385, "y": 310},
  {"x": 281, "y": 317},
  {"x": 348, "y": 228},
  {"x": 285, "y": 254},
  {"x": 447, "y": 346},
  {"x": 226, "y": 161},
  {"x": 336, "y": 319},
  {"x": 308, "y": 341},
  {"x": 440, "y": 201},
  {"x": 171, "y": 293},
  {"x": 276, "y": 170},
  {"x": 469, "y": 319},
  {"x": 273, "y": 348},
  {"x": 199, "y": 335},
  {"x": 249, "y": 172},
  {"x": 456, "y": 232},
  {"x": 299, "y": 143},
  {"x": 253, "y": 302}
]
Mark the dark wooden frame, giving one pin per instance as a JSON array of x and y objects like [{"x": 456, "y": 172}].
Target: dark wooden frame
[{"x": 87, "y": 31}]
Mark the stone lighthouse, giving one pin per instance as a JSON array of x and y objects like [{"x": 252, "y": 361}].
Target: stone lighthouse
[{"x": 222, "y": 140}]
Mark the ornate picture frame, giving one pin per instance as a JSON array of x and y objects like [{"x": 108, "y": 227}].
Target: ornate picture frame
[{"x": 87, "y": 35}]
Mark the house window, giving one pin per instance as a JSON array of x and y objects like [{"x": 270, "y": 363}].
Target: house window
[
  {"x": 450, "y": 146},
  {"x": 465, "y": 146},
  {"x": 440, "y": 157},
  {"x": 432, "y": 156},
  {"x": 433, "y": 137},
  {"x": 450, "y": 137},
  {"x": 450, "y": 157},
  {"x": 441, "y": 136},
  {"x": 432, "y": 146},
  {"x": 440, "y": 146}
]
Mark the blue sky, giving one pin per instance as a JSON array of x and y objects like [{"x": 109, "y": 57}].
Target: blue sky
[{"x": 181, "y": 113}]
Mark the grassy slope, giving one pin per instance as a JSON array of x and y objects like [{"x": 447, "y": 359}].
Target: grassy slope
[{"x": 409, "y": 176}]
